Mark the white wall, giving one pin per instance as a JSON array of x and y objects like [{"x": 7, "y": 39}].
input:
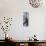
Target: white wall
[{"x": 15, "y": 9}]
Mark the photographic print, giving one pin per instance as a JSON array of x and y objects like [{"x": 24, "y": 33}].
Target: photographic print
[
  {"x": 36, "y": 3},
  {"x": 25, "y": 19}
]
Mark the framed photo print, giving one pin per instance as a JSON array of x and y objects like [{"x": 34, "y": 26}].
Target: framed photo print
[{"x": 25, "y": 19}]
